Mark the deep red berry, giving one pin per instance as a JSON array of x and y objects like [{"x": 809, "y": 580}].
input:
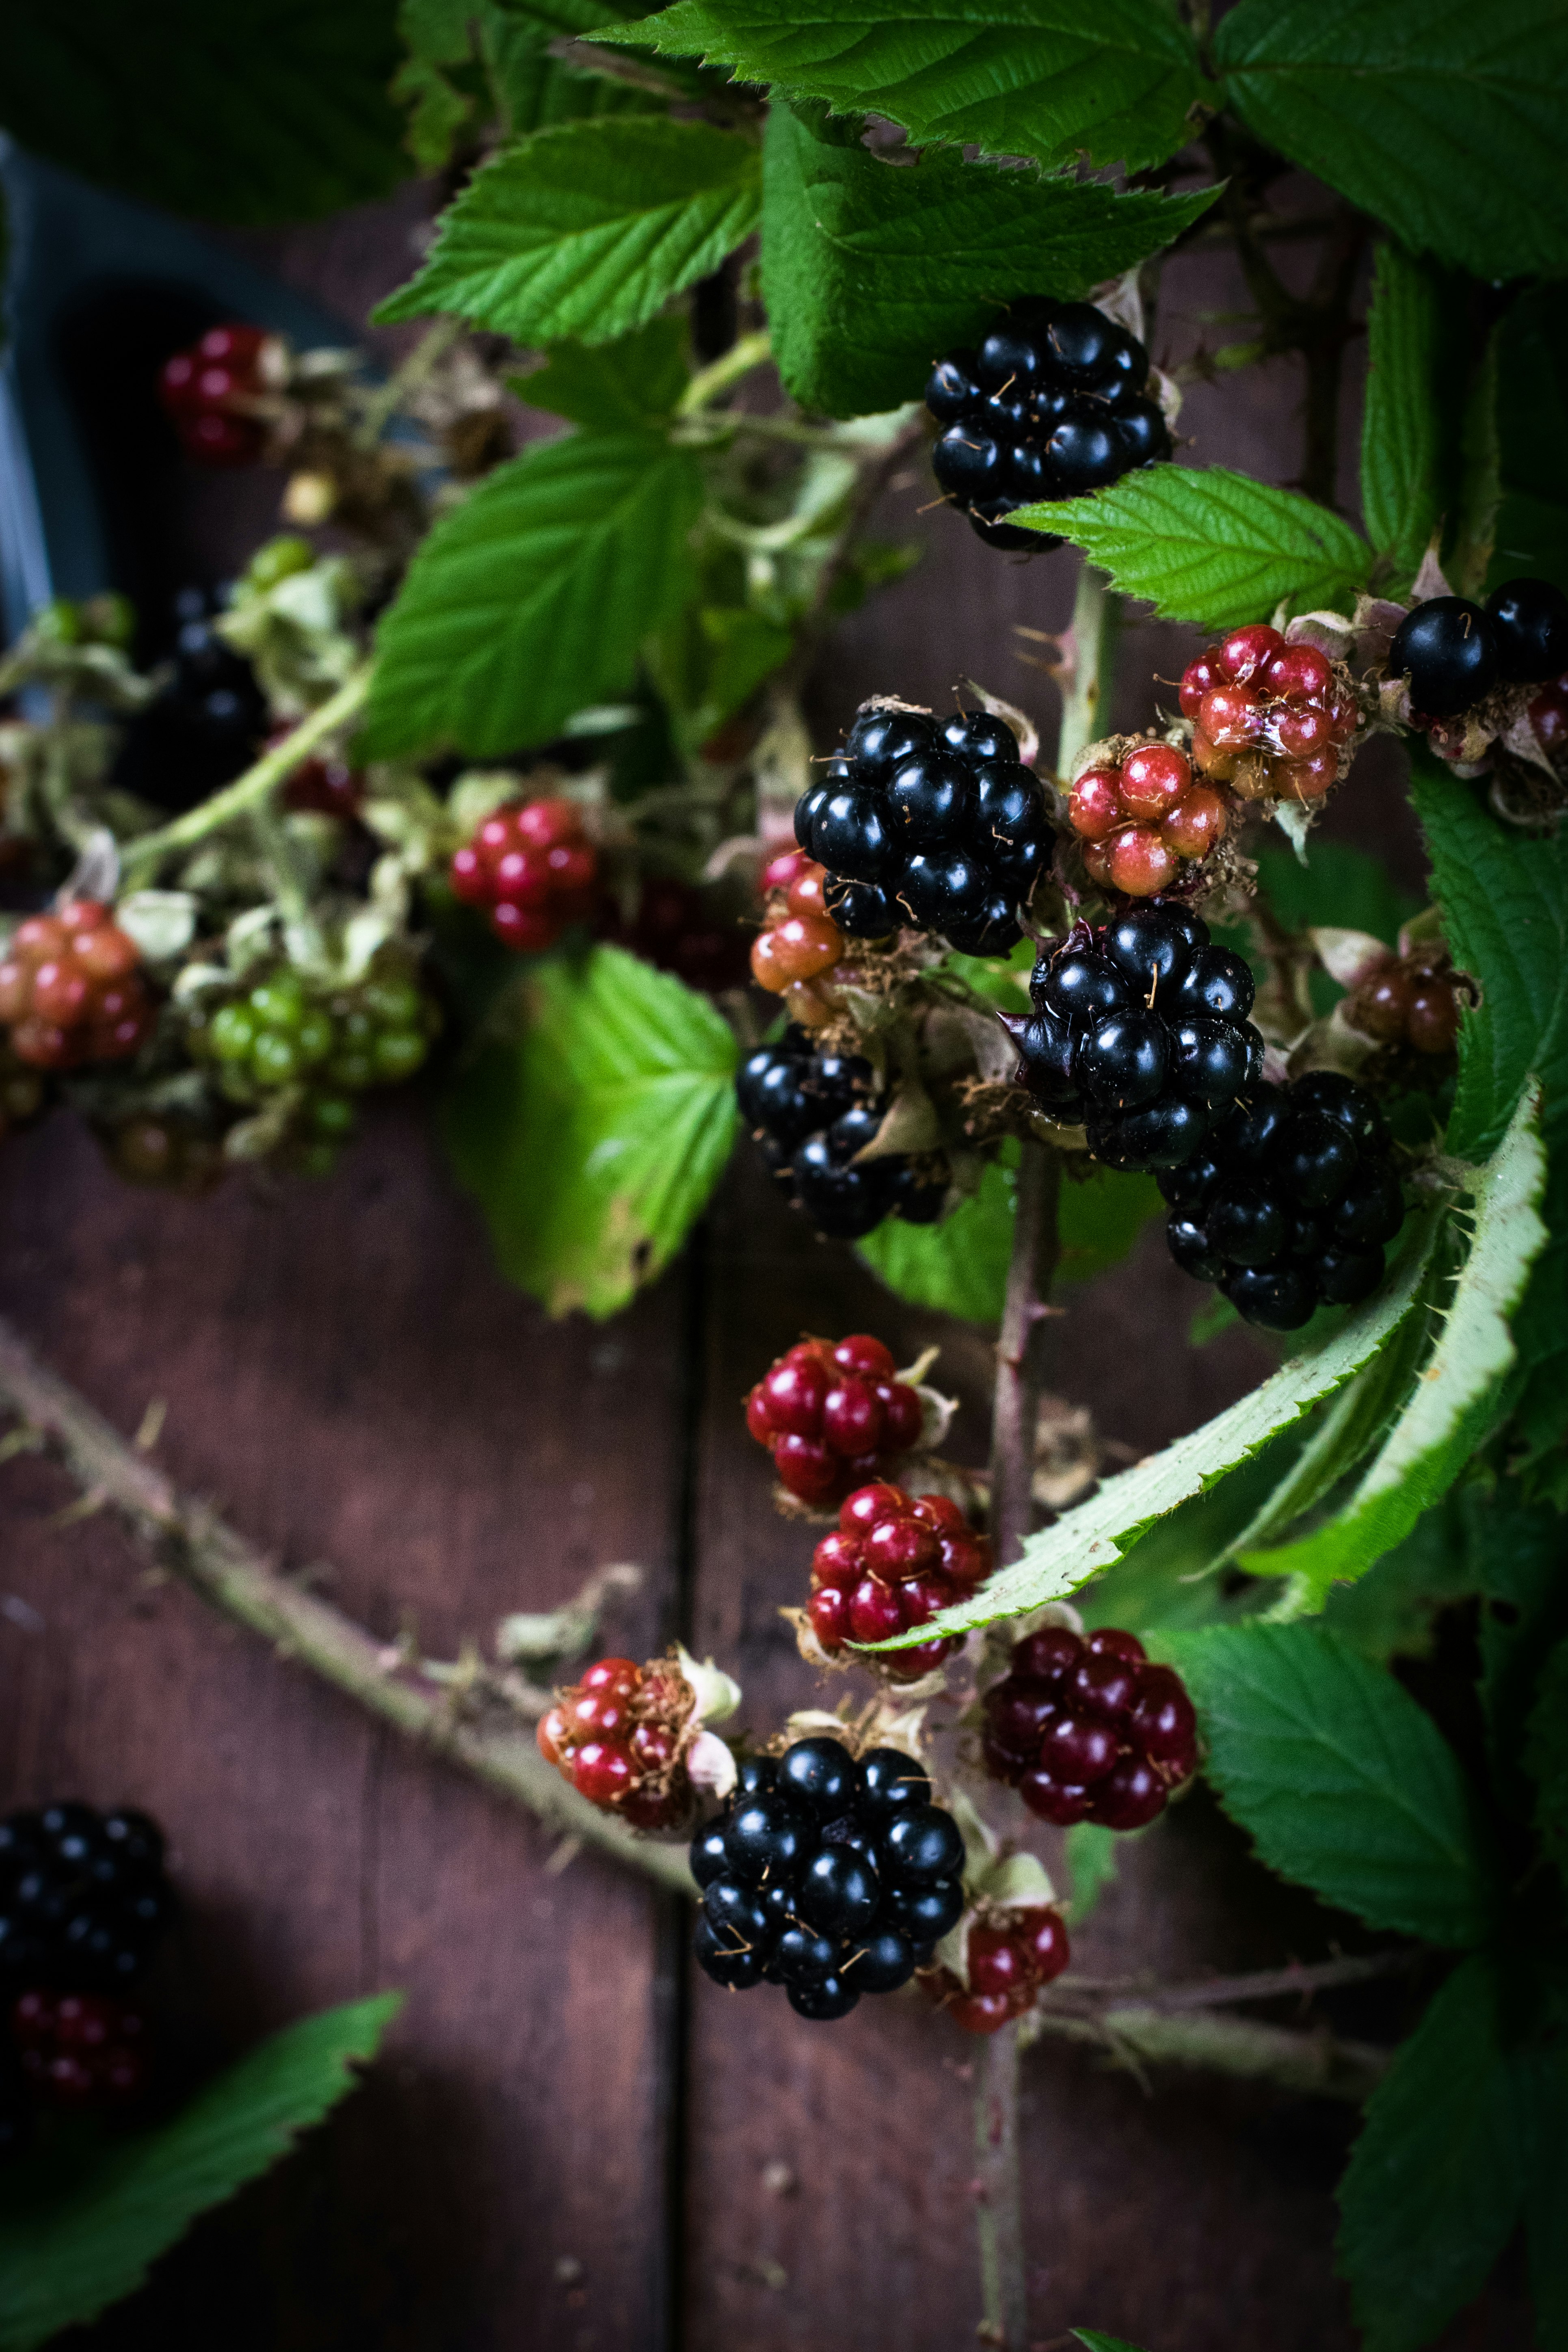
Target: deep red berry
[
  {"x": 830, "y": 1414},
  {"x": 838, "y": 1560},
  {"x": 533, "y": 866},
  {"x": 902, "y": 1419},
  {"x": 1269, "y": 719},
  {"x": 980, "y": 2013},
  {"x": 1047, "y": 1654},
  {"x": 995, "y": 1964},
  {"x": 1052, "y": 1800},
  {"x": 883, "y": 1565},
  {"x": 852, "y": 1418},
  {"x": 794, "y": 1393},
  {"x": 863, "y": 1354},
  {"x": 1162, "y": 1722},
  {"x": 602, "y": 1771},
  {"x": 875, "y": 1614},
  {"x": 1103, "y": 1686},
  {"x": 1247, "y": 651},
  {"x": 901, "y": 1547},
  {"x": 862, "y": 1510},
  {"x": 620, "y": 1674},
  {"x": 1040, "y": 1935},
  {"x": 1016, "y": 1715},
  {"x": 827, "y": 1612},
  {"x": 72, "y": 989},
  {"x": 1132, "y": 1794},
  {"x": 807, "y": 1468},
  {"x": 1114, "y": 1642},
  {"x": 1078, "y": 1749}
]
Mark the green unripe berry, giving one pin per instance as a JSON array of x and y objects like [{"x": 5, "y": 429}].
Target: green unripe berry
[
  {"x": 281, "y": 1002},
  {"x": 331, "y": 1116},
  {"x": 59, "y": 621},
  {"x": 398, "y": 1054},
  {"x": 233, "y": 1033},
  {"x": 394, "y": 1003},
  {"x": 314, "y": 1038},
  {"x": 280, "y": 560},
  {"x": 274, "y": 1059}
]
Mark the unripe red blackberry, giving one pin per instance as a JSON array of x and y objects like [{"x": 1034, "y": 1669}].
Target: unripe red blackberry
[
  {"x": 81, "y": 2049},
  {"x": 1270, "y": 719},
  {"x": 1141, "y": 817},
  {"x": 1408, "y": 1000},
  {"x": 1011, "y": 1952},
  {"x": 1087, "y": 1729},
  {"x": 621, "y": 1737},
  {"x": 893, "y": 1562},
  {"x": 211, "y": 393},
  {"x": 532, "y": 868},
  {"x": 799, "y": 941},
  {"x": 72, "y": 989},
  {"x": 834, "y": 1416}
]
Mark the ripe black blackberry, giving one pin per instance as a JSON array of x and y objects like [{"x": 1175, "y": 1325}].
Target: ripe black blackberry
[
  {"x": 930, "y": 825},
  {"x": 812, "y": 1112},
  {"x": 1452, "y": 653},
  {"x": 1051, "y": 406},
  {"x": 1140, "y": 1031},
  {"x": 1290, "y": 1203},
  {"x": 829, "y": 1876},
  {"x": 83, "y": 1898},
  {"x": 204, "y": 726}
]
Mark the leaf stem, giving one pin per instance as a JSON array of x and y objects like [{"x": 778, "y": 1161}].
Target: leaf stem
[
  {"x": 421, "y": 362},
  {"x": 709, "y": 382},
  {"x": 249, "y": 790}
]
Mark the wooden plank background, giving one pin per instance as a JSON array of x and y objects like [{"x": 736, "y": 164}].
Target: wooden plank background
[{"x": 571, "y": 2142}]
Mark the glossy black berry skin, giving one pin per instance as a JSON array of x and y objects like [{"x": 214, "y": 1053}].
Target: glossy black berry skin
[
  {"x": 1447, "y": 650},
  {"x": 831, "y": 1878},
  {"x": 929, "y": 826},
  {"x": 1290, "y": 1202},
  {"x": 812, "y": 1113},
  {"x": 1530, "y": 624},
  {"x": 1051, "y": 406},
  {"x": 83, "y": 1899},
  {"x": 205, "y": 724},
  {"x": 1140, "y": 1031}
]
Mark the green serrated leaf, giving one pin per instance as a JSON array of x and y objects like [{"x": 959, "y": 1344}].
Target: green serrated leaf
[
  {"x": 625, "y": 386},
  {"x": 1170, "y": 1576},
  {"x": 532, "y": 600},
  {"x": 257, "y": 112},
  {"x": 1454, "y": 1401},
  {"x": 1339, "y": 1779},
  {"x": 960, "y": 1266},
  {"x": 1516, "y": 1551},
  {"x": 1409, "y": 434},
  {"x": 1085, "y": 1541},
  {"x": 1530, "y": 533},
  {"x": 1546, "y": 1756},
  {"x": 592, "y": 1143},
  {"x": 1038, "y": 78},
  {"x": 1443, "y": 120},
  {"x": 1504, "y": 900},
  {"x": 1390, "y": 1612},
  {"x": 587, "y": 229},
  {"x": 535, "y": 90},
  {"x": 871, "y": 270},
  {"x": 66, "y": 2258},
  {"x": 1201, "y": 543},
  {"x": 1436, "y": 2180},
  {"x": 1096, "y": 2342}
]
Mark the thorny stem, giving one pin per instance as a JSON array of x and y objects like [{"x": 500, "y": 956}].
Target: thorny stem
[
  {"x": 186, "y": 1538},
  {"x": 251, "y": 790},
  {"x": 1004, "y": 2289},
  {"x": 1086, "y": 687},
  {"x": 421, "y": 364}
]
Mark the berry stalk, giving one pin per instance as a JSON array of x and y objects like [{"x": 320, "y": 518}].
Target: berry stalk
[{"x": 250, "y": 791}]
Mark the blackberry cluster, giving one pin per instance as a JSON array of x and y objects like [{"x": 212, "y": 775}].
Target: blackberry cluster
[
  {"x": 533, "y": 869},
  {"x": 1453, "y": 652},
  {"x": 206, "y": 723},
  {"x": 211, "y": 393},
  {"x": 812, "y": 1112},
  {"x": 1290, "y": 1203},
  {"x": 72, "y": 989},
  {"x": 1010, "y": 1954},
  {"x": 1088, "y": 1730},
  {"x": 833, "y": 1416},
  {"x": 83, "y": 1898},
  {"x": 893, "y": 1560},
  {"x": 615, "y": 1736},
  {"x": 1053, "y": 404},
  {"x": 829, "y": 1876},
  {"x": 1139, "y": 1030},
  {"x": 1269, "y": 719},
  {"x": 930, "y": 824}
]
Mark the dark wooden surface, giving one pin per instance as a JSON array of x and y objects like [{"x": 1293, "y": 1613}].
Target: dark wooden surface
[{"x": 571, "y": 2143}]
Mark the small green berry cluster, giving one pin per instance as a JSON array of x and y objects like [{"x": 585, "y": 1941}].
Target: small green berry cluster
[{"x": 285, "y": 1036}]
